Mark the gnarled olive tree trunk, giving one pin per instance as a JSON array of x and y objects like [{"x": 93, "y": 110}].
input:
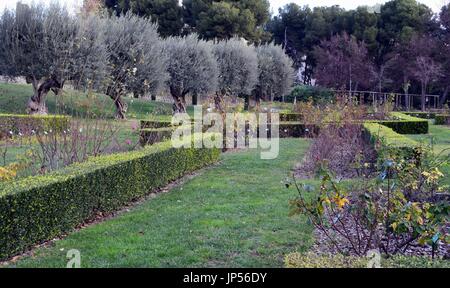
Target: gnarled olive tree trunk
[
  {"x": 36, "y": 104},
  {"x": 121, "y": 106},
  {"x": 179, "y": 98}
]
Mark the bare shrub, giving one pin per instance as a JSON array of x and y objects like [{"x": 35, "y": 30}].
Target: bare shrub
[{"x": 339, "y": 140}]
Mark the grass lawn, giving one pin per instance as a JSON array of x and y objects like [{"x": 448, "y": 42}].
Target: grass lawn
[
  {"x": 14, "y": 98},
  {"x": 440, "y": 137},
  {"x": 234, "y": 215}
]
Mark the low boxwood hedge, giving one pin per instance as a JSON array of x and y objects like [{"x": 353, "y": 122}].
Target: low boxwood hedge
[
  {"x": 393, "y": 142},
  {"x": 36, "y": 209},
  {"x": 290, "y": 117},
  {"x": 423, "y": 115},
  {"x": 442, "y": 119},
  {"x": 155, "y": 124},
  {"x": 297, "y": 130},
  {"x": 151, "y": 136},
  {"x": 14, "y": 124},
  {"x": 404, "y": 124}
]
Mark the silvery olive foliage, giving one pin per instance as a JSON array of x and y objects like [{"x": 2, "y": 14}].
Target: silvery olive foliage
[
  {"x": 192, "y": 68},
  {"x": 238, "y": 69},
  {"x": 136, "y": 62},
  {"x": 276, "y": 73},
  {"x": 49, "y": 46}
]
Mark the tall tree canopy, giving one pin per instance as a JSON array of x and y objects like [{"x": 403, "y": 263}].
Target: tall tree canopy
[
  {"x": 168, "y": 13},
  {"x": 225, "y": 19},
  {"x": 400, "y": 20},
  {"x": 300, "y": 29}
]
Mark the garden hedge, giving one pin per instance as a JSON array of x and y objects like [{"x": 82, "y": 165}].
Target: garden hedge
[
  {"x": 154, "y": 124},
  {"x": 297, "y": 130},
  {"x": 405, "y": 124},
  {"x": 151, "y": 136},
  {"x": 26, "y": 124},
  {"x": 290, "y": 117},
  {"x": 380, "y": 135},
  {"x": 442, "y": 119},
  {"x": 40, "y": 208},
  {"x": 423, "y": 115}
]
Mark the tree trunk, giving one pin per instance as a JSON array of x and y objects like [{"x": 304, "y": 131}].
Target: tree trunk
[
  {"x": 178, "y": 105},
  {"x": 443, "y": 100},
  {"x": 423, "y": 98},
  {"x": 247, "y": 102},
  {"x": 194, "y": 99},
  {"x": 36, "y": 104},
  {"x": 121, "y": 107},
  {"x": 218, "y": 102},
  {"x": 179, "y": 99}
]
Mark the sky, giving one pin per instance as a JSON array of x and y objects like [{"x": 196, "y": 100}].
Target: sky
[{"x": 275, "y": 4}]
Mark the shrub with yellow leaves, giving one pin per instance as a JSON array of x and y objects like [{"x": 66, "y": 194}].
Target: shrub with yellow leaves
[{"x": 405, "y": 205}]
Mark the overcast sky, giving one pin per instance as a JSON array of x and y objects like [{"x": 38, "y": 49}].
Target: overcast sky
[{"x": 275, "y": 4}]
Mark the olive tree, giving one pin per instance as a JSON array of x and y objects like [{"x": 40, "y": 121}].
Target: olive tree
[
  {"x": 192, "y": 69},
  {"x": 238, "y": 70},
  {"x": 276, "y": 73},
  {"x": 49, "y": 46},
  {"x": 136, "y": 62}
]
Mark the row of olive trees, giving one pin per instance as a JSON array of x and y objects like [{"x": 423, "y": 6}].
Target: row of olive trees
[{"x": 122, "y": 55}]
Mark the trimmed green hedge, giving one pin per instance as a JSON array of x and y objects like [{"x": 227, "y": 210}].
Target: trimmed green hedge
[
  {"x": 290, "y": 117},
  {"x": 151, "y": 136},
  {"x": 297, "y": 130},
  {"x": 404, "y": 124},
  {"x": 423, "y": 115},
  {"x": 155, "y": 124},
  {"x": 379, "y": 134},
  {"x": 442, "y": 119},
  {"x": 26, "y": 124},
  {"x": 36, "y": 209}
]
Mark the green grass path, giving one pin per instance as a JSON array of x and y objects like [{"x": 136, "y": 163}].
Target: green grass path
[{"x": 233, "y": 215}]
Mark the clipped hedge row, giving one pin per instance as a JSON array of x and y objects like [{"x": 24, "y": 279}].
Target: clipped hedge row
[
  {"x": 442, "y": 119},
  {"x": 423, "y": 115},
  {"x": 26, "y": 124},
  {"x": 378, "y": 134},
  {"x": 155, "y": 124},
  {"x": 151, "y": 136},
  {"x": 297, "y": 130},
  {"x": 290, "y": 117},
  {"x": 405, "y": 124},
  {"x": 36, "y": 209}
]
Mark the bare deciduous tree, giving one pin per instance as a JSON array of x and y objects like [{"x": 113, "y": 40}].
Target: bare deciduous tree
[
  {"x": 427, "y": 70},
  {"x": 342, "y": 63}
]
